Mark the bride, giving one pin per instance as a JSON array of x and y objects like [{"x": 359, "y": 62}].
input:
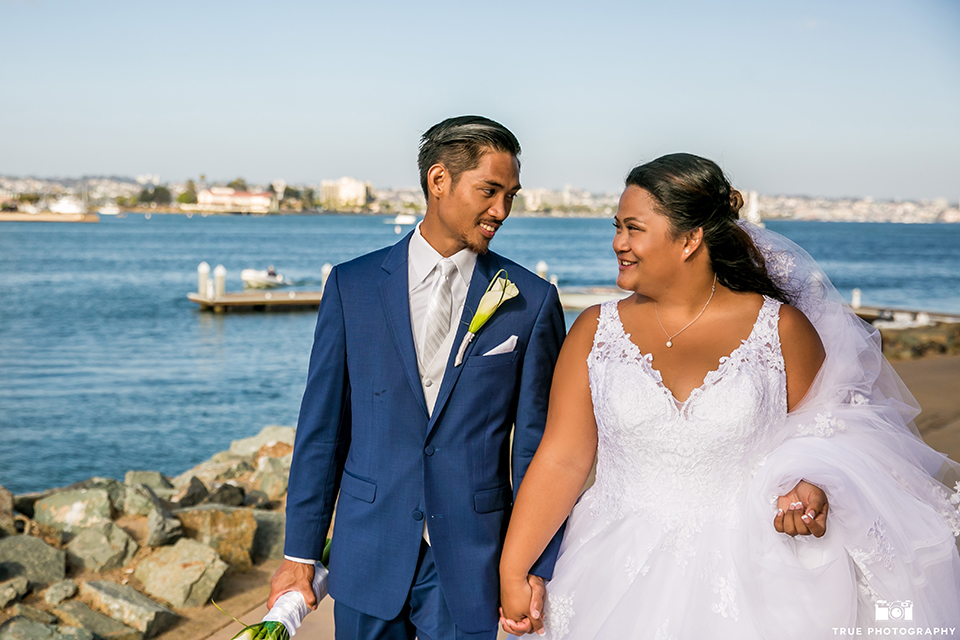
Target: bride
[{"x": 722, "y": 400}]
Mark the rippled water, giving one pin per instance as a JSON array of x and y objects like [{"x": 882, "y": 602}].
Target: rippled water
[{"x": 105, "y": 365}]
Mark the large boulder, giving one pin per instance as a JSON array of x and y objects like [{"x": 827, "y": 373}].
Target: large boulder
[
  {"x": 129, "y": 606},
  {"x": 153, "y": 479},
  {"x": 141, "y": 500},
  {"x": 114, "y": 488},
  {"x": 270, "y": 435},
  {"x": 7, "y": 526},
  {"x": 192, "y": 494},
  {"x": 162, "y": 528},
  {"x": 271, "y": 476},
  {"x": 32, "y": 613},
  {"x": 59, "y": 591},
  {"x": 33, "y": 559},
  {"x": 12, "y": 590},
  {"x": 268, "y": 540},
  {"x": 215, "y": 472},
  {"x": 73, "y": 510},
  {"x": 23, "y": 628},
  {"x": 78, "y": 614},
  {"x": 184, "y": 575},
  {"x": 227, "y": 494},
  {"x": 229, "y": 530},
  {"x": 102, "y": 547}
]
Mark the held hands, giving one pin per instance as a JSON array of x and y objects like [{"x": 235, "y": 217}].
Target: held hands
[
  {"x": 293, "y": 576},
  {"x": 803, "y": 511},
  {"x": 521, "y": 605}
]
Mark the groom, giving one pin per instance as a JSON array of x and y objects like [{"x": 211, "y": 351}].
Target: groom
[{"x": 417, "y": 446}]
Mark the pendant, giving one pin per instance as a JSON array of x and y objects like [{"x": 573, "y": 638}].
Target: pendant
[{"x": 669, "y": 343}]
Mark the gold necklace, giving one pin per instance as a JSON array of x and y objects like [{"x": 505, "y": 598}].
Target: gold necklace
[{"x": 670, "y": 338}]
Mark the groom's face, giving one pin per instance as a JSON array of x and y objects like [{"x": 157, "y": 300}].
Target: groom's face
[{"x": 469, "y": 212}]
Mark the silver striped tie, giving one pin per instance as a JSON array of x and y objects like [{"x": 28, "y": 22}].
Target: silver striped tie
[{"x": 437, "y": 322}]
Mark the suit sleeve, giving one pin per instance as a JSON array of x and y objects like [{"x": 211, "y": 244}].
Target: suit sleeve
[
  {"x": 535, "y": 379},
  {"x": 323, "y": 432}
]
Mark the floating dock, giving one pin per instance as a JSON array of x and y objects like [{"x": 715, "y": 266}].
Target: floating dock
[
  {"x": 258, "y": 301},
  {"x": 13, "y": 216}
]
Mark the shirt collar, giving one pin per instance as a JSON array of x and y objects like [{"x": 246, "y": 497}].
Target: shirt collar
[{"x": 424, "y": 258}]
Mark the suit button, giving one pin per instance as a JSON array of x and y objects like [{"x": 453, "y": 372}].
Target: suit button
[
  {"x": 418, "y": 515},
  {"x": 428, "y": 382},
  {"x": 429, "y": 450}
]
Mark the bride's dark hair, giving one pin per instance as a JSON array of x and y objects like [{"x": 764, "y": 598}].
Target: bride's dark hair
[{"x": 692, "y": 192}]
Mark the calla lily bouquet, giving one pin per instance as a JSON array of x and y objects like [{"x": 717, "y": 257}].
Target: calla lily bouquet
[
  {"x": 498, "y": 291},
  {"x": 289, "y": 609}
]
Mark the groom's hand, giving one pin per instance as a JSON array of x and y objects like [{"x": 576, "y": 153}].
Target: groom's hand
[
  {"x": 293, "y": 576},
  {"x": 803, "y": 511}
]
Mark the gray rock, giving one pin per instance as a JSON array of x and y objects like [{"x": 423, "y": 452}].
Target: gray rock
[
  {"x": 229, "y": 530},
  {"x": 141, "y": 500},
  {"x": 257, "y": 499},
  {"x": 114, "y": 488},
  {"x": 33, "y": 559},
  {"x": 73, "y": 510},
  {"x": 153, "y": 479},
  {"x": 268, "y": 539},
  {"x": 32, "y": 613},
  {"x": 227, "y": 494},
  {"x": 23, "y": 503},
  {"x": 20, "y": 628},
  {"x": 102, "y": 547},
  {"x": 77, "y": 614},
  {"x": 12, "y": 590},
  {"x": 193, "y": 494},
  {"x": 184, "y": 575},
  {"x": 268, "y": 435},
  {"x": 7, "y": 527},
  {"x": 162, "y": 528},
  {"x": 57, "y": 593},
  {"x": 73, "y": 633},
  {"x": 211, "y": 473},
  {"x": 271, "y": 476},
  {"x": 129, "y": 606}
]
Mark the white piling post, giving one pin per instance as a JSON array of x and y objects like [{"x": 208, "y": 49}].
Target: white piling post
[
  {"x": 555, "y": 281},
  {"x": 542, "y": 269},
  {"x": 203, "y": 274},
  {"x": 855, "y": 299},
  {"x": 324, "y": 274},
  {"x": 220, "y": 280}
]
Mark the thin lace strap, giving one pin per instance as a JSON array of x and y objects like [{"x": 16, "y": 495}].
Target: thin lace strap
[
  {"x": 767, "y": 331},
  {"x": 606, "y": 324}
]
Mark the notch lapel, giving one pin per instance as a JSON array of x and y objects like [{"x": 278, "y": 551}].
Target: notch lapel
[
  {"x": 487, "y": 265},
  {"x": 394, "y": 291}
]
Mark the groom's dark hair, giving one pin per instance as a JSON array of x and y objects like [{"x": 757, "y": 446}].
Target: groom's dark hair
[{"x": 459, "y": 143}]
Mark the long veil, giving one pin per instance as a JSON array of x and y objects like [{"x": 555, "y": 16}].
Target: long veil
[{"x": 894, "y": 513}]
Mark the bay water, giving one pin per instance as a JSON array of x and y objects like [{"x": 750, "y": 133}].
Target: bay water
[{"x": 105, "y": 366}]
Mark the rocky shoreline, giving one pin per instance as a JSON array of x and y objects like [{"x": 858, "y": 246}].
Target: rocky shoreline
[{"x": 141, "y": 558}]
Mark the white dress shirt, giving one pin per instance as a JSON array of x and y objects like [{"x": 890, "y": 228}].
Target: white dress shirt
[{"x": 422, "y": 272}]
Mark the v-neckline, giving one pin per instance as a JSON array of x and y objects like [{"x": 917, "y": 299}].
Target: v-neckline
[{"x": 711, "y": 376}]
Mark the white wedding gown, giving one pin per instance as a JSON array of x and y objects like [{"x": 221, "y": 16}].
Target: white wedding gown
[{"x": 675, "y": 540}]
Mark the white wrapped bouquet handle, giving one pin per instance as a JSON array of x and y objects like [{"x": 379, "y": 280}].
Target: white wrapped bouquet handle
[{"x": 290, "y": 608}]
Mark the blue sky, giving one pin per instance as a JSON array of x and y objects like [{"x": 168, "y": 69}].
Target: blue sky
[{"x": 858, "y": 98}]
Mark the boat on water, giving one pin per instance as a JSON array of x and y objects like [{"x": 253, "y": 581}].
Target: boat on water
[
  {"x": 67, "y": 205},
  {"x": 263, "y": 279},
  {"x": 401, "y": 220},
  {"x": 109, "y": 210}
]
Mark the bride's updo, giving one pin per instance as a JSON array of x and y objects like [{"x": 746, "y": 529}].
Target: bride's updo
[{"x": 692, "y": 192}]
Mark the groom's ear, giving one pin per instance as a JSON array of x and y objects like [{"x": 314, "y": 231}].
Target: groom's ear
[{"x": 438, "y": 180}]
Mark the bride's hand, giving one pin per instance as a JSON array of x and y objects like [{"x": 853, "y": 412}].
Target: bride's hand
[
  {"x": 803, "y": 511},
  {"x": 521, "y": 605}
]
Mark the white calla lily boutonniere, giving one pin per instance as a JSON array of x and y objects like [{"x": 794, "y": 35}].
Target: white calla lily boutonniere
[{"x": 498, "y": 291}]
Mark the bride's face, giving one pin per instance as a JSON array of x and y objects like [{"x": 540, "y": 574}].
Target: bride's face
[{"x": 647, "y": 253}]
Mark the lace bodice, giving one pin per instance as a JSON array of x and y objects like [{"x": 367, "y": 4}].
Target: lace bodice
[{"x": 673, "y": 463}]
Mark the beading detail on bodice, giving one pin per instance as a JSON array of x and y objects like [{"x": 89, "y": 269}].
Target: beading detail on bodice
[{"x": 679, "y": 464}]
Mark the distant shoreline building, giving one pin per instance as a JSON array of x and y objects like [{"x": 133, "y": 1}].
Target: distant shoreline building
[
  {"x": 227, "y": 200},
  {"x": 345, "y": 193}
]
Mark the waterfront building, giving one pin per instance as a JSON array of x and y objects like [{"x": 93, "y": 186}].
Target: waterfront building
[
  {"x": 228, "y": 200},
  {"x": 345, "y": 193}
]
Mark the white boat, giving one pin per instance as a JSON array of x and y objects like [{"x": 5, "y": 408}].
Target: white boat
[
  {"x": 403, "y": 218},
  {"x": 67, "y": 204},
  {"x": 262, "y": 279},
  {"x": 109, "y": 210}
]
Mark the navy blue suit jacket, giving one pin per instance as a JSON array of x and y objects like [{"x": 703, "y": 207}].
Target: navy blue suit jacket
[{"x": 364, "y": 434}]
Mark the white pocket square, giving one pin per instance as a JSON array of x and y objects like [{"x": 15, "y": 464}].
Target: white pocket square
[{"x": 506, "y": 346}]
